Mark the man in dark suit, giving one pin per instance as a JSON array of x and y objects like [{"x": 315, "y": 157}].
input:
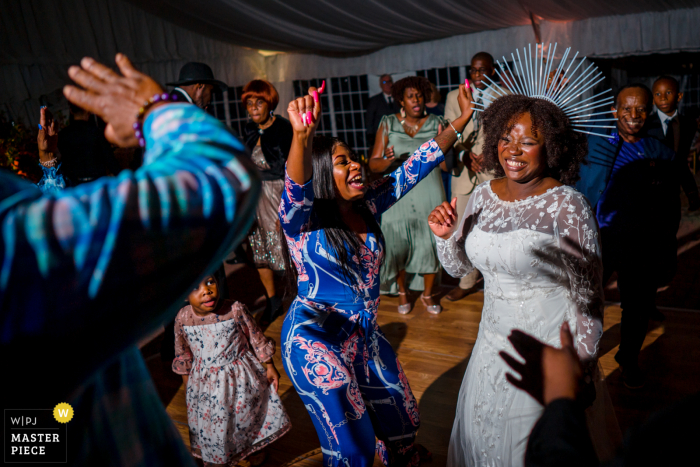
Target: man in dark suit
[
  {"x": 676, "y": 131},
  {"x": 195, "y": 84},
  {"x": 380, "y": 105},
  {"x": 632, "y": 183}
]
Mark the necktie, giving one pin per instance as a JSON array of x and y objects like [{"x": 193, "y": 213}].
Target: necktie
[{"x": 673, "y": 133}]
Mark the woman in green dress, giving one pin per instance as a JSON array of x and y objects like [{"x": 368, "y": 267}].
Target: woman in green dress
[{"x": 411, "y": 259}]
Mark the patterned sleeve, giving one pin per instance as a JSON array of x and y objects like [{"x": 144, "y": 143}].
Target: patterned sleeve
[
  {"x": 579, "y": 246},
  {"x": 182, "y": 364},
  {"x": 385, "y": 192},
  {"x": 263, "y": 347},
  {"x": 452, "y": 252},
  {"x": 101, "y": 249},
  {"x": 295, "y": 206}
]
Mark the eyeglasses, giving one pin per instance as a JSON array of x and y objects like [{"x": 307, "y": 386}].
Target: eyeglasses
[{"x": 481, "y": 71}]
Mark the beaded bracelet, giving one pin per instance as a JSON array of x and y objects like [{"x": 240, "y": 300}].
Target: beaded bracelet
[
  {"x": 138, "y": 124},
  {"x": 459, "y": 135}
]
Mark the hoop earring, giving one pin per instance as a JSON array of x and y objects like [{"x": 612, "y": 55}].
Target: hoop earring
[
  {"x": 403, "y": 115},
  {"x": 272, "y": 114},
  {"x": 248, "y": 116}
]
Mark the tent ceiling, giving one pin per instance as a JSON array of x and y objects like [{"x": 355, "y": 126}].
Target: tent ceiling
[{"x": 352, "y": 27}]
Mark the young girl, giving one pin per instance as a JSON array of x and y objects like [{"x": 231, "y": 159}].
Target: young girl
[{"x": 233, "y": 409}]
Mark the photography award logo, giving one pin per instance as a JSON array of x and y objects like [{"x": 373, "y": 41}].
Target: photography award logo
[{"x": 37, "y": 436}]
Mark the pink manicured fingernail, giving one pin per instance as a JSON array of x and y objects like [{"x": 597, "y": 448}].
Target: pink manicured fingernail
[
  {"x": 309, "y": 117},
  {"x": 323, "y": 87},
  {"x": 466, "y": 82},
  {"x": 315, "y": 94}
]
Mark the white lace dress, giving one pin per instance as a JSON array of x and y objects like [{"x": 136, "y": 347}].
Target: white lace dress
[{"x": 540, "y": 258}]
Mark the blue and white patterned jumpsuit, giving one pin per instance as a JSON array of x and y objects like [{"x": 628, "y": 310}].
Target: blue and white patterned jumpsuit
[{"x": 338, "y": 359}]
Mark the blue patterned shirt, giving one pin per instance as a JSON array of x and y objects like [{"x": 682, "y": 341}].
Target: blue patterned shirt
[{"x": 86, "y": 272}]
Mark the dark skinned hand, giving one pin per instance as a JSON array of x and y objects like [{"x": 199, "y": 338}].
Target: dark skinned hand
[
  {"x": 47, "y": 138},
  {"x": 548, "y": 373},
  {"x": 116, "y": 98}
]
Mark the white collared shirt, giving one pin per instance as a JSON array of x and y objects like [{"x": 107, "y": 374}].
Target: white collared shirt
[
  {"x": 388, "y": 98},
  {"x": 183, "y": 92},
  {"x": 665, "y": 119}
]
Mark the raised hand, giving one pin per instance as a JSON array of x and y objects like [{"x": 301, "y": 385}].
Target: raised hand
[
  {"x": 304, "y": 112},
  {"x": 443, "y": 219},
  {"x": 114, "y": 98},
  {"x": 548, "y": 373},
  {"x": 47, "y": 139},
  {"x": 465, "y": 101}
]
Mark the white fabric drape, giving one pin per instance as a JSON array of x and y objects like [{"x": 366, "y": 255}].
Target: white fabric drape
[
  {"x": 360, "y": 26},
  {"x": 613, "y": 36},
  {"x": 40, "y": 39}
]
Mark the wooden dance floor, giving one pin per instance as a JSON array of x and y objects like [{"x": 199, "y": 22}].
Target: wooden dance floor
[{"x": 434, "y": 351}]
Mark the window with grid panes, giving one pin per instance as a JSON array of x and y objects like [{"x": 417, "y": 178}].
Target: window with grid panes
[
  {"x": 344, "y": 104},
  {"x": 446, "y": 79},
  {"x": 237, "y": 111},
  {"x": 690, "y": 87}
]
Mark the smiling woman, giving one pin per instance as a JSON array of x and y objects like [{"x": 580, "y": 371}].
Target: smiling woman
[
  {"x": 338, "y": 359},
  {"x": 535, "y": 240}
]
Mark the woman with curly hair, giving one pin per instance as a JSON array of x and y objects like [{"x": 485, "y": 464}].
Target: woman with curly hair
[
  {"x": 535, "y": 240},
  {"x": 411, "y": 260}
]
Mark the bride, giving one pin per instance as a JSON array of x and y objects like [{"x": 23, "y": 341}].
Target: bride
[{"x": 536, "y": 242}]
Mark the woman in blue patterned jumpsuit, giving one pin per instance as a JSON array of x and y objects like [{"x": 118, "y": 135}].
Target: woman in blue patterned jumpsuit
[{"x": 338, "y": 359}]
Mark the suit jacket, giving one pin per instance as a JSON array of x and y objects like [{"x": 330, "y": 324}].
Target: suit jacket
[
  {"x": 182, "y": 95},
  {"x": 275, "y": 142},
  {"x": 376, "y": 109},
  {"x": 595, "y": 173},
  {"x": 472, "y": 140},
  {"x": 688, "y": 129}
]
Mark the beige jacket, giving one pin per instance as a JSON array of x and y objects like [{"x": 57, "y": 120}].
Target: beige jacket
[{"x": 472, "y": 140}]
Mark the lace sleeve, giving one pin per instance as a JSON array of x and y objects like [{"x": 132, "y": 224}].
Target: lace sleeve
[
  {"x": 452, "y": 252},
  {"x": 579, "y": 243}
]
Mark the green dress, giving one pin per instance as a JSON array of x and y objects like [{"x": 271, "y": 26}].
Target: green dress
[{"x": 410, "y": 244}]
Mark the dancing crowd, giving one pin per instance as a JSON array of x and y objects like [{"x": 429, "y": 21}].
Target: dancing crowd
[{"x": 498, "y": 188}]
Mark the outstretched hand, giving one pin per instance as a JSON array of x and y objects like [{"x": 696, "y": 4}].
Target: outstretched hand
[
  {"x": 548, "y": 373},
  {"x": 47, "y": 139},
  {"x": 113, "y": 97},
  {"x": 443, "y": 219}
]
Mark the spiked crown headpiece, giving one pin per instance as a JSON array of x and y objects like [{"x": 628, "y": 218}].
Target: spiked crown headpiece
[{"x": 563, "y": 89}]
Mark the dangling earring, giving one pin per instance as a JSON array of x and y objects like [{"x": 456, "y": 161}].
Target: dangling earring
[
  {"x": 272, "y": 114},
  {"x": 403, "y": 115},
  {"x": 425, "y": 113},
  {"x": 248, "y": 116}
]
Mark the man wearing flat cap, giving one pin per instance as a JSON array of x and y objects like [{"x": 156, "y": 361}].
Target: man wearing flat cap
[{"x": 195, "y": 84}]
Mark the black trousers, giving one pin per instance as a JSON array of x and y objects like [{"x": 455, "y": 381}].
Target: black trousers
[{"x": 643, "y": 259}]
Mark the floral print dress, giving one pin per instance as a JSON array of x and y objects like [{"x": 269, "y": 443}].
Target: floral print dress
[{"x": 232, "y": 410}]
